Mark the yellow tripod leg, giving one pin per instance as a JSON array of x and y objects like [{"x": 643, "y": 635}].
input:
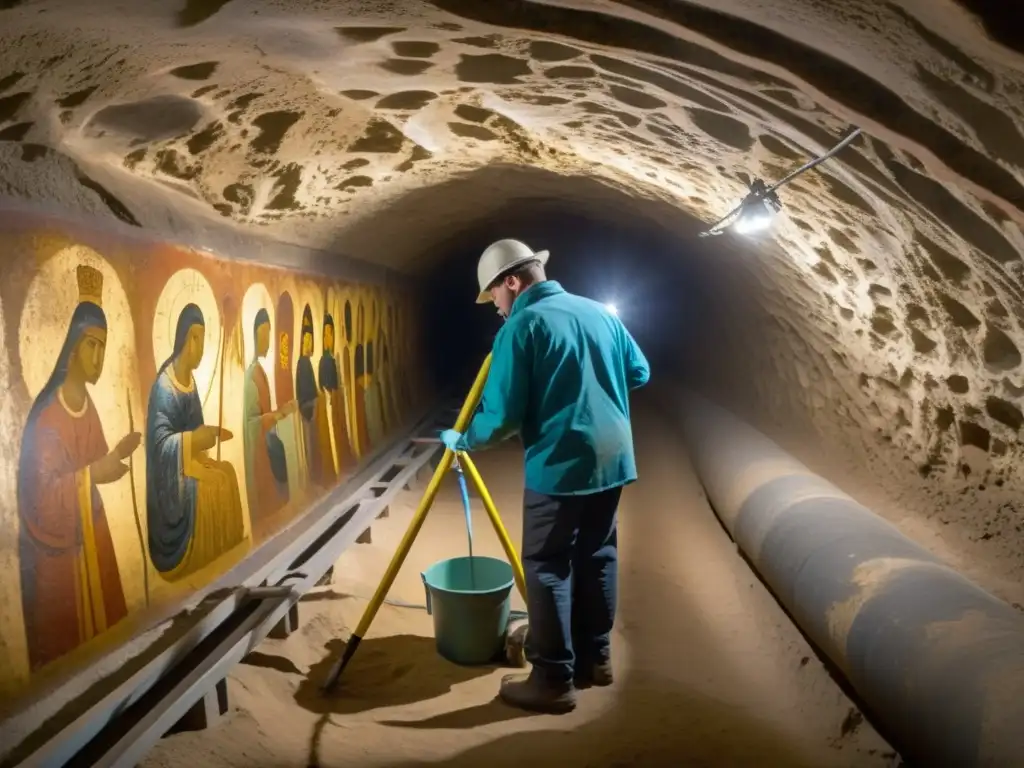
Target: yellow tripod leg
[
  {"x": 499, "y": 527},
  {"x": 426, "y": 502}
]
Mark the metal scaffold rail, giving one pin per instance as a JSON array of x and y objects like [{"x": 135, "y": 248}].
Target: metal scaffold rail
[{"x": 120, "y": 728}]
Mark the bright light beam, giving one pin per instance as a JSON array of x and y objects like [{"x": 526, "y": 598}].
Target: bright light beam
[
  {"x": 612, "y": 308},
  {"x": 753, "y": 222}
]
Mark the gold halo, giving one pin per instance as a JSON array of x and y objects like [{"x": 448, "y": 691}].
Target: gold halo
[
  {"x": 344, "y": 297},
  {"x": 257, "y": 297},
  {"x": 332, "y": 307},
  {"x": 311, "y": 294},
  {"x": 359, "y": 318},
  {"x": 51, "y": 300},
  {"x": 188, "y": 286}
]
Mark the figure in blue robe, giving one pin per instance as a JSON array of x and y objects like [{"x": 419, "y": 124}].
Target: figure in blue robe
[
  {"x": 193, "y": 503},
  {"x": 313, "y": 408}
]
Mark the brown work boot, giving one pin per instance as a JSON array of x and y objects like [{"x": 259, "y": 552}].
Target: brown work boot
[
  {"x": 599, "y": 675},
  {"x": 533, "y": 693}
]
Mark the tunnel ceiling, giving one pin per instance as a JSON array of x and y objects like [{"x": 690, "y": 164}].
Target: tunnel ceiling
[{"x": 376, "y": 128}]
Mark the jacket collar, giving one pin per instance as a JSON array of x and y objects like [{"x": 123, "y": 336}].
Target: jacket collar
[{"x": 535, "y": 293}]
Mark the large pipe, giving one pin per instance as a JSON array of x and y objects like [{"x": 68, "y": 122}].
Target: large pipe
[{"x": 937, "y": 660}]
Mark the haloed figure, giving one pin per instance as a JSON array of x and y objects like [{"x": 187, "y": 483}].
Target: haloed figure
[
  {"x": 560, "y": 376},
  {"x": 266, "y": 466},
  {"x": 312, "y": 406},
  {"x": 70, "y": 585},
  {"x": 192, "y": 501},
  {"x": 330, "y": 384}
]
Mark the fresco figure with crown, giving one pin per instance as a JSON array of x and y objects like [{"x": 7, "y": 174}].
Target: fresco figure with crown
[{"x": 71, "y": 586}]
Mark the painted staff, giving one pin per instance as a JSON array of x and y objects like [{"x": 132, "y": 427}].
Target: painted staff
[
  {"x": 135, "y": 501},
  {"x": 220, "y": 399},
  {"x": 236, "y": 356}
]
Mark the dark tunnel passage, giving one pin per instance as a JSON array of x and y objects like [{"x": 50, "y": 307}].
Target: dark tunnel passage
[
  {"x": 648, "y": 276},
  {"x": 269, "y": 213}
]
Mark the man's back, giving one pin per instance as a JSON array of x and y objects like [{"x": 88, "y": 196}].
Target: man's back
[{"x": 583, "y": 363}]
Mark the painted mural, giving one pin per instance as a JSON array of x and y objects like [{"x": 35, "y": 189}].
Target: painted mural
[{"x": 167, "y": 411}]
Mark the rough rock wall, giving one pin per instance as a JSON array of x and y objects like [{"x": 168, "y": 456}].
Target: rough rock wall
[{"x": 887, "y": 302}]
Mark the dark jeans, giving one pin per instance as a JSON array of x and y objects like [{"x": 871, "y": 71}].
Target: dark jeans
[{"x": 570, "y": 558}]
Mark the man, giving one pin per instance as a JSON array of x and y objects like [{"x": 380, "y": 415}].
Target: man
[{"x": 561, "y": 371}]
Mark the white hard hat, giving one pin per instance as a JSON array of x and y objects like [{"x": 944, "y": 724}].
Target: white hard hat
[{"x": 500, "y": 257}]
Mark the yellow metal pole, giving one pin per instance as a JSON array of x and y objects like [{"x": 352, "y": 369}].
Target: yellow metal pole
[
  {"x": 426, "y": 502},
  {"x": 499, "y": 527}
]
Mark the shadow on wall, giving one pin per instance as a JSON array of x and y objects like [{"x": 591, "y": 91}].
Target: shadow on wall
[{"x": 168, "y": 411}]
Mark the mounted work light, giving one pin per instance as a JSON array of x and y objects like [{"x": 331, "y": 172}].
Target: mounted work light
[{"x": 757, "y": 210}]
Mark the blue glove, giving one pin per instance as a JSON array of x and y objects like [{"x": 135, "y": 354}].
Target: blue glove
[{"x": 451, "y": 438}]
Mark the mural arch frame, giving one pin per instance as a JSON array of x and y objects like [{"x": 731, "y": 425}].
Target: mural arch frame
[{"x": 82, "y": 378}]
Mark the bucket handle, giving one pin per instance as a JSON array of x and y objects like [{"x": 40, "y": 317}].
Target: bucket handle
[{"x": 426, "y": 589}]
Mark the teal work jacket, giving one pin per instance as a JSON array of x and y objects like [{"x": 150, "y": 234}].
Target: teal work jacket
[{"x": 561, "y": 371}]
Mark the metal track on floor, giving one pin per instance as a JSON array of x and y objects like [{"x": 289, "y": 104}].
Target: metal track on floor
[{"x": 124, "y": 725}]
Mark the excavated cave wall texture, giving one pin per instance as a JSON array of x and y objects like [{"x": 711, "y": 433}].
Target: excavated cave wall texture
[{"x": 886, "y": 309}]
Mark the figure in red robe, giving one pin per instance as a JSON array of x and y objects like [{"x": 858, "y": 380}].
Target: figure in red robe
[{"x": 71, "y": 587}]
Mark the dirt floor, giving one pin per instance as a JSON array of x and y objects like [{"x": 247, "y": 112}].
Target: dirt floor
[{"x": 710, "y": 672}]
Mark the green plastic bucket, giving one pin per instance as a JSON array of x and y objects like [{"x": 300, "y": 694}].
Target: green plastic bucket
[{"x": 470, "y": 601}]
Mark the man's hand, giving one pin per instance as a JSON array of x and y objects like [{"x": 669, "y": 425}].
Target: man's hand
[{"x": 450, "y": 438}]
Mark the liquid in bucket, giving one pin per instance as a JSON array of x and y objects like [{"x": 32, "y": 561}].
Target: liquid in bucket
[{"x": 469, "y": 599}]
